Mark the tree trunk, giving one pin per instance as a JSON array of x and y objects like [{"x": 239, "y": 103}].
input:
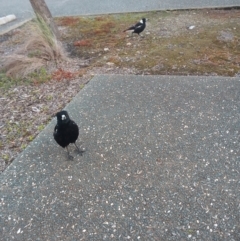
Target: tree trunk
[{"x": 40, "y": 8}]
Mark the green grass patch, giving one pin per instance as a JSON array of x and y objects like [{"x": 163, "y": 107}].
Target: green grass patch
[
  {"x": 39, "y": 76},
  {"x": 36, "y": 77},
  {"x": 6, "y": 82}
]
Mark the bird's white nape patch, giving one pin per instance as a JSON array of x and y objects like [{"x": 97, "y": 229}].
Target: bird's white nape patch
[
  {"x": 141, "y": 21},
  {"x": 63, "y": 117}
]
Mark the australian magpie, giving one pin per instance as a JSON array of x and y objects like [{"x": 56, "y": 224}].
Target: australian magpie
[
  {"x": 66, "y": 131},
  {"x": 138, "y": 27}
]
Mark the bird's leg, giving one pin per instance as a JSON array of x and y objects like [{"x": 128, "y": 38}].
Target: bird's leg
[
  {"x": 69, "y": 156},
  {"x": 78, "y": 149}
]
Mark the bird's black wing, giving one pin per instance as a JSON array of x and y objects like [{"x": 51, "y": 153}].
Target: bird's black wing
[
  {"x": 55, "y": 129},
  {"x": 131, "y": 28},
  {"x": 134, "y": 27},
  {"x": 72, "y": 132},
  {"x": 138, "y": 25},
  {"x": 58, "y": 137}
]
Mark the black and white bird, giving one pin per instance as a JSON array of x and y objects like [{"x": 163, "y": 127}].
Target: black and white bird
[
  {"x": 138, "y": 27},
  {"x": 66, "y": 131}
]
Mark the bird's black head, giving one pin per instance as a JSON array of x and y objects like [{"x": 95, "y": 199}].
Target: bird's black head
[
  {"x": 143, "y": 20},
  {"x": 62, "y": 117}
]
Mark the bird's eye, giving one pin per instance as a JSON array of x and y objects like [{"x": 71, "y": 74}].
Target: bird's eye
[{"x": 63, "y": 117}]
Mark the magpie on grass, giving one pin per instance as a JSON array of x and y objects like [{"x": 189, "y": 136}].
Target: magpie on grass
[
  {"x": 66, "y": 131},
  {"x": 138, "y": 27}
]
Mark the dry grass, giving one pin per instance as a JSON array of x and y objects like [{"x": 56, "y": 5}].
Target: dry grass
[
  {"x": 41, "y": 49},
  {"x": 19, "y": 66}
]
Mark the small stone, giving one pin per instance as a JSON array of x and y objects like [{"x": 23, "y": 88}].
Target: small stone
[
  {"x": 35, "y": 109},
  {"x": 226, "y": 36},
  {"x": 191, "y": 27}
]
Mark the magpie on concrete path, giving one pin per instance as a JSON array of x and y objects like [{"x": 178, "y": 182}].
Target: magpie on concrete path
[
  {"x": 138, "y": 27},
  {"x": 66, "y": 131}
]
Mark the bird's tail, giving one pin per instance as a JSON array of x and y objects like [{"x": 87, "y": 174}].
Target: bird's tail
[{"x": 131, "y": 28}]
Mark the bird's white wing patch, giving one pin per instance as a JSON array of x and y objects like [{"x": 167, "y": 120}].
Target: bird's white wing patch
[{"x": 63, "y": 117}]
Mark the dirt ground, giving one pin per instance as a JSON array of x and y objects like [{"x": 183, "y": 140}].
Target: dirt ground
[{"x": 196, "y": 42}]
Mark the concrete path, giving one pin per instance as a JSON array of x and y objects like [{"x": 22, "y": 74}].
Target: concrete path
[
  {"x": 23, "y": 10},
  {"x": 162, "y": 163}
]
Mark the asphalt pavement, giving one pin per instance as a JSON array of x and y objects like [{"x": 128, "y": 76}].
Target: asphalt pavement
[
  {"x": 162, "y": 162},
  {"x": 23, "y": 10}
]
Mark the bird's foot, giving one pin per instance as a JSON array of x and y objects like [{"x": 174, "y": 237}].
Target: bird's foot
[
  {"x": 79, "y": 151},
  {"x": 70, "y": 158}
]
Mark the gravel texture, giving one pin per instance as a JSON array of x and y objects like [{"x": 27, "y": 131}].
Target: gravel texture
[{"x": 161, "y": 163}]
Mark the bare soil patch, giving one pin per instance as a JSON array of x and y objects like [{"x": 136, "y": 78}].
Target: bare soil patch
[{"x": 196, "y": 42}]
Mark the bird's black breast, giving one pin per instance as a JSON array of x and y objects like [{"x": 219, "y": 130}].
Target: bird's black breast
[{"x": 65, "y": 134}]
